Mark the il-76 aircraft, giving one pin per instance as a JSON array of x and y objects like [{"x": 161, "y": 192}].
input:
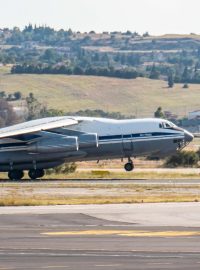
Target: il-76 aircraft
[{"x": 46, "y": 143}]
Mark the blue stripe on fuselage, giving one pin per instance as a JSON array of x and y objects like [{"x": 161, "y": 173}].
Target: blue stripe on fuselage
[{"x": 137, "y": 135}]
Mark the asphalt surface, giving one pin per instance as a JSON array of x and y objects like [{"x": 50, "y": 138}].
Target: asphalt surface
[
  {"x": 108, "y": 181},
  {"x": 100, "y": 237}
]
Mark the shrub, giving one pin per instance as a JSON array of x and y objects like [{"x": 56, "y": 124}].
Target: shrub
[
  {"x": 185, "y": 86},
  {"x": 184, "y": 159},
  {"x": 62, "y": 169}
]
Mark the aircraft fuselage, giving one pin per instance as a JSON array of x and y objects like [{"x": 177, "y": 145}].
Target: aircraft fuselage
[{"x": 92, "y": 139}]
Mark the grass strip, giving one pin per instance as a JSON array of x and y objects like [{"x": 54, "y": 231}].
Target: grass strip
[{"x": 45, "y": 200}]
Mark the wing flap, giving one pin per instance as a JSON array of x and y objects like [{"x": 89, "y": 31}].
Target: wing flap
[{"x": 36, "y": 126}]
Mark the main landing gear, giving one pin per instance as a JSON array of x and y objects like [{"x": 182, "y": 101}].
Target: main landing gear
[
  {"x": 15, "y": 175},
  {"x": 129, "y": 166},
  {"x": 33, "y": 174}
]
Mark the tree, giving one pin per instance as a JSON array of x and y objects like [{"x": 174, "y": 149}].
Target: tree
[
  {"x": 78, "y": 71},
  {"x": 170, "y": 80},
  {"x": 7, "y": 115},
  {"x": 146, "y": 34},
  {"x": 198, "y": 53},
  {"x": 154, "y": 73},
  {"x": 50, "y": 55},
  {"x": 70, "y": 32},
  {"x": 2, "y": 94},
  {"x": 35, "y": 109},
  {"x": 28, "y": 28},
  {"x": 159, "y": 113},
  {"x": 10, "y": 97},
  {"x": 185, "y": 75},
  {"x": 185, "y": 86},
  {"x": 17, "y": 95}
]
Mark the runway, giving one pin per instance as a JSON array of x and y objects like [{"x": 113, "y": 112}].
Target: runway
[
  {"x": 105, "y": 181},
  {"x": 101, "y": 237}
]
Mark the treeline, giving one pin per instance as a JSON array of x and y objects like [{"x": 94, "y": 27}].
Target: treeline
[
  {"x": 189, "y": 75},
  {"x": 87, "y": 113},
  {"x": 101, "y": 113},
  {"x": 50, "y": 36},
  {"x": 124, "y": 73},
  {"x": 41, "y": 34},
  {"x": 176, "y": 74}
]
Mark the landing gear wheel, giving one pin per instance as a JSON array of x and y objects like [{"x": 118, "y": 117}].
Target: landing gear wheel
[
  {"x": 40, "y": 173},
  {"x": 15, "y": 175},
  {"x": 34, "y": 174},
  {"x": 129, "y": 166}
]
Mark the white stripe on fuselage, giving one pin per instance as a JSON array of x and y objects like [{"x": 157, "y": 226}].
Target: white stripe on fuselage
[{"x": 110, "y": 127}]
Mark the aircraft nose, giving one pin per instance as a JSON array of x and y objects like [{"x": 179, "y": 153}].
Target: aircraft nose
[{"x": 188, "y": 136}]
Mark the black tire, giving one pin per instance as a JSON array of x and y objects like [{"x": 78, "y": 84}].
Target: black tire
[
  {"x": 34, "y": 174},
  {"x": 15, "y": 175},
  {"x": 40, "y": 173},
  {"x": 129, "y": 166}
]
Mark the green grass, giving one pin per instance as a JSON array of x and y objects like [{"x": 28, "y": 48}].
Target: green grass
[{"x": 138, "y": 97}]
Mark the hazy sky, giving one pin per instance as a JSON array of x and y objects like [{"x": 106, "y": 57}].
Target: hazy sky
[{"x": 155, "y": 16}]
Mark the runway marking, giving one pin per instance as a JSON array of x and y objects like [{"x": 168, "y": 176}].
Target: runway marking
[{"x": 128, "y": 233}]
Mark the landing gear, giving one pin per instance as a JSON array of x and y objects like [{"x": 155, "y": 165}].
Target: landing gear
[
  {"x": 34, "y": 174},
  {"x": 129, "y": 166},
  {"x": 15, "y": 175}
]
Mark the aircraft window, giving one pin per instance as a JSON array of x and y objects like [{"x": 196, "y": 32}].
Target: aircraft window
[{"x": 165, "y": 125}]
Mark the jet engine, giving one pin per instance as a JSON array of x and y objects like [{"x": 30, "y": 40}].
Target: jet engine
[
  {"x": 88, "y": 140},
  {"x": 54, "y": 145}
]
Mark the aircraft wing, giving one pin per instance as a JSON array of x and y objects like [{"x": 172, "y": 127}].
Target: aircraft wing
[{"x": 36, "y": 126}]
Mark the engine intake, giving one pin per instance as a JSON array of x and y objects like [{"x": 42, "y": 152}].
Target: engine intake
[{"x": 88, "y": 140}]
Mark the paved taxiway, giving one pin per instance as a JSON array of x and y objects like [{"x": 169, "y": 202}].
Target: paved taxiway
[
  {"x": 143, "y": 236},
  {"x": 107, "y": 181}
]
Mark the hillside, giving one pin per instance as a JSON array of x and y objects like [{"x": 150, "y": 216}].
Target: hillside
[
  {"x": 139, "y": 97},
  {"x": 44, "y": 50}
]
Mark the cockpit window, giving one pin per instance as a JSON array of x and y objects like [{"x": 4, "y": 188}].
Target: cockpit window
[{"x": 167, "y": 125}]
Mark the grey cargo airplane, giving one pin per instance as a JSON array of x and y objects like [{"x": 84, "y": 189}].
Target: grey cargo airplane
[{"x": 46, "y": 143}]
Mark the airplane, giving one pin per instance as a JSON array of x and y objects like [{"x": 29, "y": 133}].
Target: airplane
[{"x": 45, "y": 143}]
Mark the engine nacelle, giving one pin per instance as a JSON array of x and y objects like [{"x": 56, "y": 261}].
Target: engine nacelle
[
  {"x": 54, "y": 145},
  {"x": 88, "y": 140}
]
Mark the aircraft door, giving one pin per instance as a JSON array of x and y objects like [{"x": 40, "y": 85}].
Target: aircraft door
[{"x": 127, "y": 144}]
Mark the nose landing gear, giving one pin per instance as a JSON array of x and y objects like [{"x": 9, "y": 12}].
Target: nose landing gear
[{"x": 129, "y": 166}]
